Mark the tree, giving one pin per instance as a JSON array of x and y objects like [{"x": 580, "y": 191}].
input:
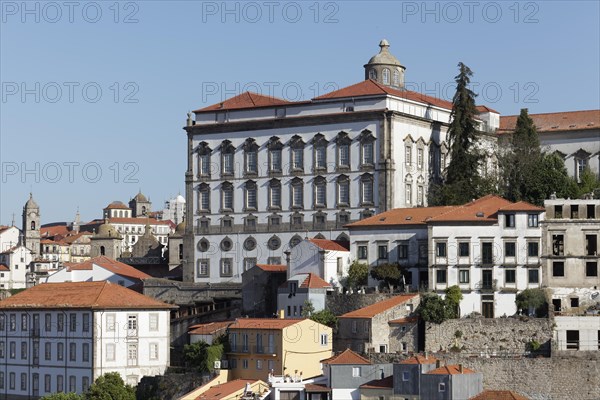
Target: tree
[
  {"x": 588, "y": 182},
  {"x": 63, "y": 396},
  {"x": 358, "y": 274},
  {"x": 325, "y": 317},
  {"x": 453, "y": 298},
  {"x": 202, "y": 356},
  {"x": 532, "y": 300},
  {"x": 110, "y": 386},
  {"x": 433, "y": 308},
  {"x": 389, "y": 273},
  {"x": 462, "y": 182},
  {"x": 307, "y": 309}
]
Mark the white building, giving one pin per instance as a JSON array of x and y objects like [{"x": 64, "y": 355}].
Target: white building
[
  {"x": 99, "y": 269},
  {"x": 577, "y": 332},
  {"x": 326, "y": 259},
  {"x": 60, "y": 337},
  {"x": 174, "y": 209},
  {"x": 574, "y": 135},
  {"x": 14, "y": 264},
  {"x": 263, "y": 170},
  {"x": 490, "y": 248},
  {"x": 300, "y": 288},
  {"x": 9, "y": 237}
]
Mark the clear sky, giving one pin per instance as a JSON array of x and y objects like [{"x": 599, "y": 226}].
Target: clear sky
[{"x": 95, "y": 94}]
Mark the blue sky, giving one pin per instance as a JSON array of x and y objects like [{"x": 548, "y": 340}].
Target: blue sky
[{"x": 94, "y": 94}]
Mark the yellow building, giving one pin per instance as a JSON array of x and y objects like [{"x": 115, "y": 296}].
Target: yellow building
[{"x": 278, "y": 347}]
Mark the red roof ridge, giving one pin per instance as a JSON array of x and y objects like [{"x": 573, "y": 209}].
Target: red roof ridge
[
  {"x": 346, "y": 357},
  {"x": 315, "y": 282},
  {"x": 371, "y": 310},
  {"x": 244, "y": 100},
  {"x": 450, "y": 370},
  {"x": 327, "y": 244}
]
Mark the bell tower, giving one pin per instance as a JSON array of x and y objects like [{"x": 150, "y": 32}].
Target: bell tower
[
  {"x": 31, "y": 226},
  {"x": 385, "y": 68}
]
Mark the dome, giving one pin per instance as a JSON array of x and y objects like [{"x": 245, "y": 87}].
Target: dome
[
  {"x": 180, "y": 228},
  {"x": 107, "y": 230},
  {"x": 140, "y": 197},
  {"x": 384, "y": 56},
  {"x": 180, "y": 199},
  {"x": 31, "y": 203},
  {"x": 117, "y": 204}
]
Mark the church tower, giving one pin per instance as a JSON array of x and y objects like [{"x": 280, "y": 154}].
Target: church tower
[
  {"x": 140, "y": 205},
  {"x": 31, "y": 226},
  {"x": 385, "y": 68}
]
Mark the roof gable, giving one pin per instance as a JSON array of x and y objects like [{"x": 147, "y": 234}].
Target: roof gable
[
  {"x": 347, "y": 357},
  {"x": 450, "y": 370},
  {"x": 245, "y": 100},
  {"x": 111, "y": 265},
  {"x": 326, "y": 244},
  {"x": 377, "y": 308}
]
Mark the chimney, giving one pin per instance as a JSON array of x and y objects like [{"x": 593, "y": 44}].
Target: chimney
[
  {"x": 281, "y": 314},
  {"x": 460, "y": 368}
]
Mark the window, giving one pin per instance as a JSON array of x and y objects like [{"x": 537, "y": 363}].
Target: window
[
  {"x": 581, "y": 164},
  {"x": 320, "y": 192},
  {"x": 362, "y": 252},
  {"x": 275, "y": 160},
  {"x": 227, "y": 196},
  {"x": 110, "y": 352},
  {"x": 72, "y": 383},
  {"x": 366, "y": 189},
  {"x": 510, "y": 249},
  {"x": 274, "y": 243},
  {"x": 153, "y": 322},
  {"x": 85, "y": 383},
  {"x": 403, "y": 251},
  {"x": 60, "y": 351},
  {"x": 227, "y": 158},
  {"x": 24, "y": 322},
  {"x": 13, "y": 322},
  {"x": 204, "y": 197},
  {"x": 408, "y": 155},
  {"x": 509, "y": 220},
  {"x": 47, "y": 351},
  {"x": 343, "y": 183},
  {"x": 226, "y": 267},
  {"x": 356, "y": 372},
  {"x": 72, "y": 352},
  {"x": 591, "y": 245},
  {"x": 270, "y": 365},
  {"x": 298, "y": 159},
  {"x": 463, "y": 276},
  {"x": 251, "y": 195},
  {"x": 487, "y": 253},
  {"x": 367, "y": 153},
  {"x": 204, "y": 159},
  {"x": 249, "y": 263},
  {"x": 386, "y": 76},
  {"x": 420, "y": 195},
  {"x": 532, "y": 220},
  {"x": 23, "y": 381},
  {"x": 132, "y": 323},
  {"x": 396, "y": 78},
  {"x": 86, "y": 322},
  {"x": 441, "y": 387},
  {"x": 463, "y": 249},
  {"x": 344, "y": 155},
  {"x": 23, "y": 350},
  {"x": 1, "y": 349},
  {"x": 533, "y": 249},
  {"x": 47, "y": 322},
  {"x": 60, "y": 383},
  {"x": 558, "y": 211},
  {"x": 591, "y": 268},
  {"x": 297, "y": 193},
  {"x": 408, "y": 193},
  {"x": 558, "y": 245},
  {"x": 11, "y": 380},
  {"x": 533, "y": 275},
  {"x": 250, "y": 156},
  {"x": 382, "y": 252},
  {"x": 110, "y": 322},
  {"x": 509, "y": 276},
  {"x": 558, "y": 268},
  {"x": 320, "y": 146},
  {"x": 132, "y": 354},
  {"x": 154, "y": 351},
  {"x": 85, "y": 352},
  {"x": 441, "y": 276},
  {"x": 591, "y": 211},
  {"x": 405, "y": 376},
  {"x": 47, "y": 383},
  {"x": 275, "y": 193},
  {"x": 324, "y": 339},
  {"x": 440, "y": 249},
  {"x": 245, "y": 363},
  {"x": 420, "y": 158}
]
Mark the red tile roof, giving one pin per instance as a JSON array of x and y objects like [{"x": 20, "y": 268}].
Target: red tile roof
[
  {"x": 499, "y": 395},
  {"x": 316, "y": 388},
  {"x": 385, "y": 383},
  {"x": 245, "y": 100},
  {"x": 313, "y": 281},
  {"x": 4, "y": 268},
  {"x": 450, "y": 370},
  {"x": 263, "y": 323},
  {"x": 485, "y": 109},
  {"x": 419, "y": 359},
  {"x": 133, "y": 220},
  {"x": 522, "y": 206},
  {"x": 225, "y": 390},
  {"x": 328, "y": 244},
  {"x": 486, "y": 206},
  {"x": 402, "y": 216},
  {"x": 208, "y": 328},
  {"x": 407, "y": 320},
  {"x": 372, "y": 88},
  {"x": 377, "y": 308},
  {"x": 272, "y": 267},
  {"x": 111, "y": 265},
  {"x": 51, "y": 231},
  {"x": 347, "y": 357},
  {"x": 94, "y": 295},
  {"x": 556, "y": 122},
  {"x": 117, "y": 205},
  {"x": 73, "y": 238}
]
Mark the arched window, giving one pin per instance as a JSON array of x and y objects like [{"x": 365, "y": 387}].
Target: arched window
[
  {"x": 297, "y": 153},
  {"x": 386, "y": 76},
  {"x": 250, "y": 157},
  {"x": 396, "y": 78},
  {"x": 204, "y": 167},
  {"x": 102, "y": 251},
  {"x": 373, "y": 74},
  {"x": 33, "y": 225},
  {"x": 204, "y": 197}
]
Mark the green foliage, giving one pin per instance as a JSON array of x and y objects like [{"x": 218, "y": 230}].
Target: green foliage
[
  {"x": 588, "y": 182},
  {"x": 63, "y": 396},
  {"x": 458, "y": 334},
  {"x": 433, "y": 308},
  {"x": 388, "y": 273},
  {"x": 358, "y": 274},
  {"x": 534, "y": 345},
  {"x": 325, "y": 317},
  {"x": 531, "y": 299},
  {"x": 110, "y": 386},
  {"x": 307, "y": 309},
  {"x": 201, "y": 356},
  {"x": 453, "y": 298}
]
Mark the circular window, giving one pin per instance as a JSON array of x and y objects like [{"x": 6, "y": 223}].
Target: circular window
[
  {"x": 250, "y": 243},
  {"x": 274, "y": 243},
  {"x": 226, "y": 244},
  {"x": 203, "y": 245},
  {"x": 295, "y": 240}
]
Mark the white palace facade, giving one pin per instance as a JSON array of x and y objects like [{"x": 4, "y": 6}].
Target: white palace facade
[{"x": 264, "y": 173}]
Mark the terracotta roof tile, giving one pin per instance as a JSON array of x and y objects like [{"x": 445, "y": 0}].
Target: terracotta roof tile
[
  {"x": 499, "y": 395},
  {"x": 140, "y": 221},
  {"x": 208, "y": 328},
  {"x": 450, "y": 370},
  {"x": 556, "y": 122},
  {"x": 484, "y": 209},
  {"x": 225, "y": 390},
  {"x": 374, "y": 309},
  {"x": 119, "y": 205},
  {"x": 419, "y": 359},
  {"x": 111, "y": 265},
  {"x": 272, "y": 267},
  {"x": 485, "y": 109},
  {"x": 316, "y": 388},
  {"x": 264, "y": 323},
  {"x": 53, "y": 230},
  {"x": 245, "y": 100},
  {"x": 385, "y": 383},
  {"x": 94, "y": 295},
  {"x": 407, "y": 320},
  {"x": 522, "y": 206},
  {"x": 4, "y": 268},
  {"x": 346, "y": 357},
  {"x": 402, "y": 216},
  {"x": 328, "y": 244},
  {"x": 313, "y": 281}
]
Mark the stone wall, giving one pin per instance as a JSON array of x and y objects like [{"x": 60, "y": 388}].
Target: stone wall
[
  {"x": 169, "y": 386},
  {"x": 341, "y": 303},
  {"x": 489, "y": 336}
]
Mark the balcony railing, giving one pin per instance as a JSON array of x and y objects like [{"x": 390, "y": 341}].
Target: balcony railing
[
  {"x": 487, "y": 285},
  {"x": 264, "y": 349}
]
